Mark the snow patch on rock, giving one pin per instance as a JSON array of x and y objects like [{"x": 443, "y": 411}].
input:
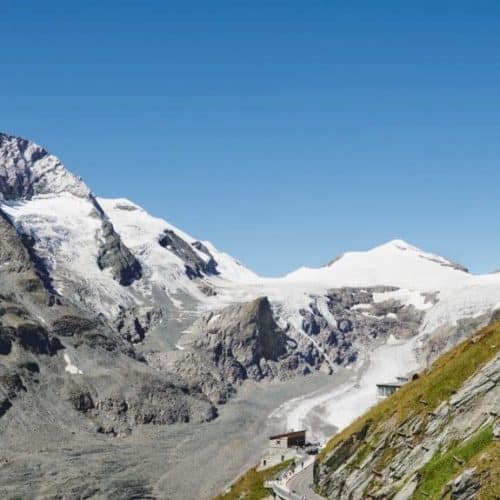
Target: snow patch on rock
[{"x": 70, "y": 367}]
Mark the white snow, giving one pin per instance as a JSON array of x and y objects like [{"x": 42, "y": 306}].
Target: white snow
[
  {"x": 415, "y": 273},
  {"x": 67, "y": 232},
  {"x": 358, "y": 307},
  {"x": 70, "y": 367},
  {"x": 140, "y": 233},
  {"x": 395, "y": 263},
  {"x": 343, "y": 404},
  {"x": 406, "y": 297}
]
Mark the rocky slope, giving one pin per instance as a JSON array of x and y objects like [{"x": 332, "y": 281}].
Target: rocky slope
[
  {"x": 54, "y": 355},
  {"x": 149, "y": 282},
  {"x": 238, "y": 343},
  {"x": 111, "y": 319},
  {"x": 437, "y": 437}
]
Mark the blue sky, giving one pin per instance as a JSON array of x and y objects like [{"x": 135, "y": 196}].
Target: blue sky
[{"x": 286, "y": 132}]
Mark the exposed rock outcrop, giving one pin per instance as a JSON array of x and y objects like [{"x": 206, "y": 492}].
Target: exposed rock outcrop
[
  {"x": 113, "y": 254},
  {"x": 434, "y": 427},
  {"x": 27, "y": 170},
  {"x": 237, "y": 343},
  {"x": 53, "y": 352},
  {"x": 195, "y": 266},
  {"x": 347, "y": 321}
]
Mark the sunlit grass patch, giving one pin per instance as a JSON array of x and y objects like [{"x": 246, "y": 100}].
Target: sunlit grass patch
[{"x": 250, "y": 486}]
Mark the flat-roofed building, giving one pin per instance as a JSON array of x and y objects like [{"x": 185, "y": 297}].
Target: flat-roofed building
[
  {"x": 385, "y": 390},
  {"x": 284, "y": 447},
  {"x": 290, "y": 439}
]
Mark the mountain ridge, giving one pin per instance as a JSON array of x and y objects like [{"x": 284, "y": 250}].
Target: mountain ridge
[{"x": 155, "y": 327}]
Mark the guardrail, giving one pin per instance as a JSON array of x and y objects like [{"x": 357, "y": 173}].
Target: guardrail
[{"x": 282, "y": 492}]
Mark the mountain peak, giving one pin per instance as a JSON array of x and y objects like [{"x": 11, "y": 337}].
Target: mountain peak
[
  {"x": 395, "y": 263},
  {"x": 403, "y": 246},
  {"x": 28, "y": 170}
]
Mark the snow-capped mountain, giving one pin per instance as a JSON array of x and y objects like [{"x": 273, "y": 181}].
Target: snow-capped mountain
[
  {"x": 143, "y": 274},
  {"x": 111, "y": 318},
  {"x": 88, "y": 261},
  {"x": 395, "y": 263}
]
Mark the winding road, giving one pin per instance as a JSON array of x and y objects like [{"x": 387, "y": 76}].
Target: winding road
[
  {"x": 298, "y": 486},
  {"x": 301, "y": 484}
]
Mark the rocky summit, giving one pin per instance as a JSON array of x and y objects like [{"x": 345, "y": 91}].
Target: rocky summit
[{"x": 126, "y": 340}]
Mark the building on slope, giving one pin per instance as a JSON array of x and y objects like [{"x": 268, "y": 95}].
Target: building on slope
[{"x": 282, "y": 447}]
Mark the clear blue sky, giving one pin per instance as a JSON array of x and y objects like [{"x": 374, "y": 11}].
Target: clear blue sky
[{"x": 284, "y": 131}]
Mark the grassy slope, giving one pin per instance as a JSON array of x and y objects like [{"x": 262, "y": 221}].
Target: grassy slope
[
  {"x": 438, "y": 384},
  {"x": 488, "y": 465},
  {"x": 443, "y": 466},
  {"x": 250, "y": 486},
  {"x": 446, "y": 376}
]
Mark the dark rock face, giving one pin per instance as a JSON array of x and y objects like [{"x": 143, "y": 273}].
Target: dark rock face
[
  {"x": 35, "y": 339},
  {"x": 133, "y": 325},
  {"x": 67, "y": 326},
  {"x": 40, "y": 267},
  {"x": 465, "y": 486},
  {"x": 149, "y": 399},
  {"x": 196, "y": 267},
  {"x": 312, "y": 324},
  {"x": 355, "y": 321},
  {"x": 13, "y": 252},
  {"x": 115, "y": 255},
  {"x": 5, "y": 344},
  {"x": 159, "y": 401},
  {"x": 244, "y": 336},
  {"x": 5, "y": 406},
  {"x": 238, "y": 343},
  {"x": 11, "y": 385},
  {"x": 211, "y": 264}
]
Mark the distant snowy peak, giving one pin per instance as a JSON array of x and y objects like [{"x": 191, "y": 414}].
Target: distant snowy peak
[
  {"x": 407, "y": 247},
  {"x": 163, "y": 244},
  {"x": 28, "y": 170},
  {"x": 394, "y": 263}
]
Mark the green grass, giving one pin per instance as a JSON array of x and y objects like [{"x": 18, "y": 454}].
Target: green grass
[
  {"x": 250, "y": 486},
  {"x": 361, "y": 454},
  {"x": 487, "y": 466},
  {"x": 438, "y": 384},
  {"x": 443, "y": 467}
]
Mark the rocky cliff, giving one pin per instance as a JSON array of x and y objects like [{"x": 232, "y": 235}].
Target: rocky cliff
[
  {"x": 238, "y": 343},
  {"x": 437, "y": 437},
  {"x": 54, "y": 355}
]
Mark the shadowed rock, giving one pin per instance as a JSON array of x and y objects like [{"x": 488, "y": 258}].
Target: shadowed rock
[
  {"x": 194, "y": 264},
  {"x": 113, "y": 254}
]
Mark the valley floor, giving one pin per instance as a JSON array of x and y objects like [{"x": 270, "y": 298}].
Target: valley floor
[{"x": 174, "y": 462}]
